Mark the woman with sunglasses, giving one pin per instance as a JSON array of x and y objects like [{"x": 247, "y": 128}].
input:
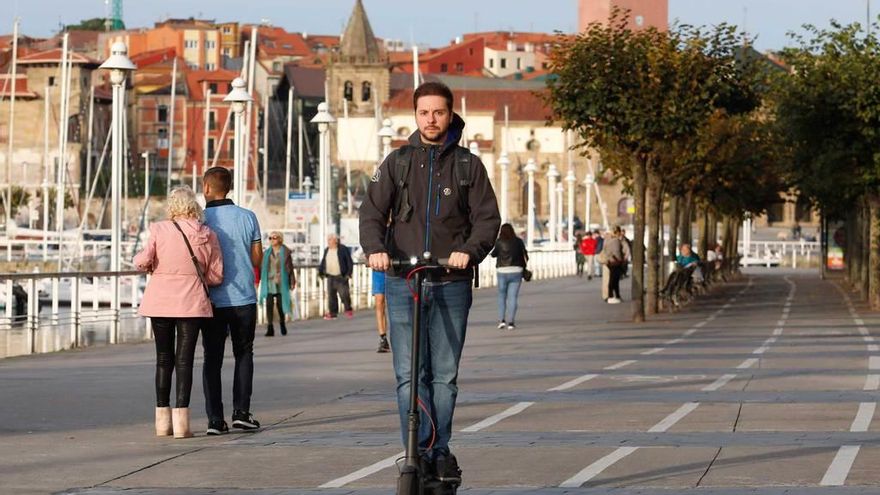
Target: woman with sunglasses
[{"x": 277, "y": 279}]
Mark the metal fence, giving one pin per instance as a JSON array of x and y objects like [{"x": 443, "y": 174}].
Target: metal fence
[{"x": 47, "y": 312}]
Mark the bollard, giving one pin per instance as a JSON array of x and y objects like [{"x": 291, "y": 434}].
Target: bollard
[{"x": 794, "y": 258}]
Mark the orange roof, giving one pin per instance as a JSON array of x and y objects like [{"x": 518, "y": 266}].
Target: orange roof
[
  {"x": 20, "y": 87},
  {"x": 523, "y": 105},
  {"x": 54, "y": 56},
  {"x": 195, "y": 78},
  {"x": 497, "y": 40},
  {"x": 153, "y": 57}
]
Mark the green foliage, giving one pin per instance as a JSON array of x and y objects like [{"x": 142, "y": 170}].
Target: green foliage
[{"x": 93, "y": 24}]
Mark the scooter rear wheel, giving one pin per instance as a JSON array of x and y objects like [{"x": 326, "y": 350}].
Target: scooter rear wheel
[{"x": 436, "y": 487}]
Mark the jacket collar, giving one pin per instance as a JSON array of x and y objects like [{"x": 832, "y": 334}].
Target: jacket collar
[{"x": 219, "y": 202}]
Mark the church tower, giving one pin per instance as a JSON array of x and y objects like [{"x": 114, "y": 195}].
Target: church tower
[{"x": 358, "y": 73}]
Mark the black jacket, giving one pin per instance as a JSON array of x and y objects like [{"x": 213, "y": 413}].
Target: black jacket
[
  {"x": 510, "y": 252},
  {"x": 346, "y": 265},
  {"x": 437, "y": 223}
]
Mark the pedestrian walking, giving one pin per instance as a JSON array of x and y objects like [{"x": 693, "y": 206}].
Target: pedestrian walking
[
  {"x": 379, "y": 304},
  {"x": 277, "y": 279},
  {"x": 588, "y": 251},
  {"x": 183, "y": 255},
  {"x": 235, "y": 304},
  {"x": 579, "y": 258},
  {"x": 337, "y": 267},
  {"x": 614, "y": 259},
  {"x": 512, "y": 258},
  {"x": 440, "y": 200}
]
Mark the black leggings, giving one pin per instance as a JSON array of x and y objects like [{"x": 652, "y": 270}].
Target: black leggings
[
  {"x": 614, "y": 280},
  {"x": 169, "y": 360},
  {"x": 278, "y": 305}
]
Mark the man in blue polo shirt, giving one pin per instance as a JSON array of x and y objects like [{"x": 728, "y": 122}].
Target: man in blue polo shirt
[{"x": 234, "y": 301}]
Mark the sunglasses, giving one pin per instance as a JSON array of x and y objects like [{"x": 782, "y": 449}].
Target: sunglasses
[{"x": 273, "y": 237}]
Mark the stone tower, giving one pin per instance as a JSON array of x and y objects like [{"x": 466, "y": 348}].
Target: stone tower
[
  {"x": 359, "y": 72},
  {"x": 643, "y": 13}
]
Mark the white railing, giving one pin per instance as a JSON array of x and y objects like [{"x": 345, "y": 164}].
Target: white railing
[
  {"x": 47, "y": 312},
  {"x": 789, "y": 253},
  {"x": 70, "y": 249}
]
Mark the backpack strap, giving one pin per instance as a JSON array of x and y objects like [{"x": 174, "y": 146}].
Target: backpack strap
[
  {"x": 402, "y": 205},
  {"x": 462, "y": 173}
]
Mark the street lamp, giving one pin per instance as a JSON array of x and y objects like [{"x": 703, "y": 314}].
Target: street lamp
[
  {"x": 570, "y": 179},
  {"x": 558, "y": 226},
  {"x": 307, "y": 185},
  {"x": 239, "y": 98},
  {"x": 588, "y": 203},
  {"x": 530, "y": 169},
  {"x": 119, "y": 65},
  {"x": 503, "y": 163},
  {"x": 387, "y": 134},
  {"x": 552, "y": 175},
  {"x": 323, "y": 118}
]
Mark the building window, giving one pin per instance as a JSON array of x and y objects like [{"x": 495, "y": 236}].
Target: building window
[
  {"x": 162, "y": 138},
  {"x": 459, "y": 67},
  {"x": 230, "y": 148},
  {"x": 444, "y": 67},
  {"x": 491, "y": 63},
  {"x": 212, "y": 120},
  {"x": 227, "y": 52},
  {"x": 471, "y": 52},
  {"x": 348, "y": 91},
  {"x": 210, "y": 45},
  {"x": 162, "y": 114},
  {"x": 210, "y": 66},
  {"x": 366, "y": 91},
  {"x": 213, "y": 88},
  {"x": 518, "y": 63},
  {"x": 276, "y": 66},
  {"x": 503, "y": 64},
  {"x": 51, "y": 80},
  {"x": 211, "y": 148},
  {"x": 227, "y": 30}
]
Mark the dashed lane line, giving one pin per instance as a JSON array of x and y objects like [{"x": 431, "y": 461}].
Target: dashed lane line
[{"x": 491, "y": 420}]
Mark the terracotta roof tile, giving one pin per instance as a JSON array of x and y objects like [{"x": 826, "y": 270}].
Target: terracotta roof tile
[
  {"x": 55, "y": 56},
  {"x": 523, "y": 105}
]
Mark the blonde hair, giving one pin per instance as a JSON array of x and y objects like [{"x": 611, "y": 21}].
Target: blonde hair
[{"x": 182, "y": 204}]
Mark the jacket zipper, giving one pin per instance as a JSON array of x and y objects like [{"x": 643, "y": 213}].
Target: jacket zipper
[
  {"x": 428, "y": 209},
  {"x": 437, "y": 206}
]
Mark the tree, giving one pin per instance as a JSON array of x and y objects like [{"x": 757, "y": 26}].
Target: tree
[
  {"x": 636, "y": 92},
  {"x": 93, "y": 24}
]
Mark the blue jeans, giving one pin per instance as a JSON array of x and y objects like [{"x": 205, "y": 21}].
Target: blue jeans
[
  {"x": 445, "y": 309},
  {"x": 508, "y": 291}
]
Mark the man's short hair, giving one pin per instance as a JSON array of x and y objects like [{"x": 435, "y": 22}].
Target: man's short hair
[
  {"x": 219, "y": 178},
  {"x": 433, "y": 89}
]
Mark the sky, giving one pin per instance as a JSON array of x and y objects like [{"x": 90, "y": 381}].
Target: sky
[{"x": 419, "y": 21}]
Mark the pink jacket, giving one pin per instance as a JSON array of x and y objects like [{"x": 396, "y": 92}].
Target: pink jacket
[{"x": 174, "y": 289}]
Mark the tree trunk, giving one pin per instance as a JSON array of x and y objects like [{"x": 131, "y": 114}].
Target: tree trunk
[
  {"x": 865, "y": 250},
  {"x": 733, "y": 245},
  {"x": 704, "y": 234},
  {"x": 638, "y": 242},
  {"x": 874, "y": 251},
  {"x": 674, "y": 214},
  {"x": 851, "y": 250},
  {"x": 712, "y": 238},
  {"x": 685, "y": 219},
  {"x": 654, "y": 211}
]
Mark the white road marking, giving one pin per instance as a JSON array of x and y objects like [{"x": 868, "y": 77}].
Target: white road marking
[
  {"x": 748, "y": 363},
  {"x": 777, "y": 331},
  {"x": 859, "y": 321},
  {"x": 653, "y": 351},
  {"x": 872, "y": 383},
  {"x": 491, "y": 420},
  {"x": 673, "y": 341},
  {"x": 863, "y": 417},
  {"x": 596, "y": 468},
  {"x": 717, "y": 384},
  {"x": 622, "y": 364},
  {"x": 874, "y": 363},
  {"x": 840, "y": 466},
  {"x": 669, "y": 421},
  {"x": 572, "y": 383},
  {"x": 363, "y": 473}
]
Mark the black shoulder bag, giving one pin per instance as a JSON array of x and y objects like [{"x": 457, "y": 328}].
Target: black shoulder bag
[{"x": 195, "y": 261}]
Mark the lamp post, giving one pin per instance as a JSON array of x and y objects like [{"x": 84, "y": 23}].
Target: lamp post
[
  {"x": 503, "y": 164},
  {"x": 238, "y": 97},
  {"x": 387, "y": 134},
  {"x": 119, "y": 65},
  {"x": 588, "y": 203},
  {"x": 307, "y": 185},
  {"x": 530, "y": 169},
  {"x": 557, "y": 227},
  {"x": 552, "y": 175},
  {"x": 570, "y": 179},
  {"x": 323, "y": 118}
]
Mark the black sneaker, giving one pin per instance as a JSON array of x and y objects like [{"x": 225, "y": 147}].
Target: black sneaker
[
  {"x": 217, "y": 428},
  {"x": 446, "y": 469},
  {"x": 270, "y": 331},
  {"x": 383, "y": 345},
  {"x": 245, "y": 421}
]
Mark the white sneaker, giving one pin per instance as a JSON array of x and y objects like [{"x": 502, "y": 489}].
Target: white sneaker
[
  {"x": 613, "y": 300},
  {"x": 502, "y": 325}
]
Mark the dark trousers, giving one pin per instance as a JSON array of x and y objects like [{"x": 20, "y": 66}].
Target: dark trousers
[
  {"x": 614, "y": 281},
  {"x": 274, "y": 300},
  {"x": 171, "y": 358},
  {"x": 337, "y": 286},
  {"x": 240, "y": 323}
]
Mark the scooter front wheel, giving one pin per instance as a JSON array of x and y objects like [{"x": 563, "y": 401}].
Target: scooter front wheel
[
  {"x": 409, "y": 483},
  {"x": 436, "y": 487}
]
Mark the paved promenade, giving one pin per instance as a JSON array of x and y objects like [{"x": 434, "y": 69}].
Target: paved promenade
[{"x": 768, "y": 385}]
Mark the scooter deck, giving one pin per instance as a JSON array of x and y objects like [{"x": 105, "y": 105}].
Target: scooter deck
[{"x": 436, "y": 487}]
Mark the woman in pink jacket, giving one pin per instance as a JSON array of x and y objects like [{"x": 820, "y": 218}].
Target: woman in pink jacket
[{"x": 184, "y": 258}]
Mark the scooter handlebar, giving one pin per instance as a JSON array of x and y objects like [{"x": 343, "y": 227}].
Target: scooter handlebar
[{"x": 416, "y": 263}]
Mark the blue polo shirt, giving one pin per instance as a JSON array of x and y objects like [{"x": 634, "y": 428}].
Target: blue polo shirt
[{"x": 237, "y": 230}]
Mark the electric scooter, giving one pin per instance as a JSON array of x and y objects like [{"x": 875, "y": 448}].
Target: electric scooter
[{"x": 415, "y": 478}]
